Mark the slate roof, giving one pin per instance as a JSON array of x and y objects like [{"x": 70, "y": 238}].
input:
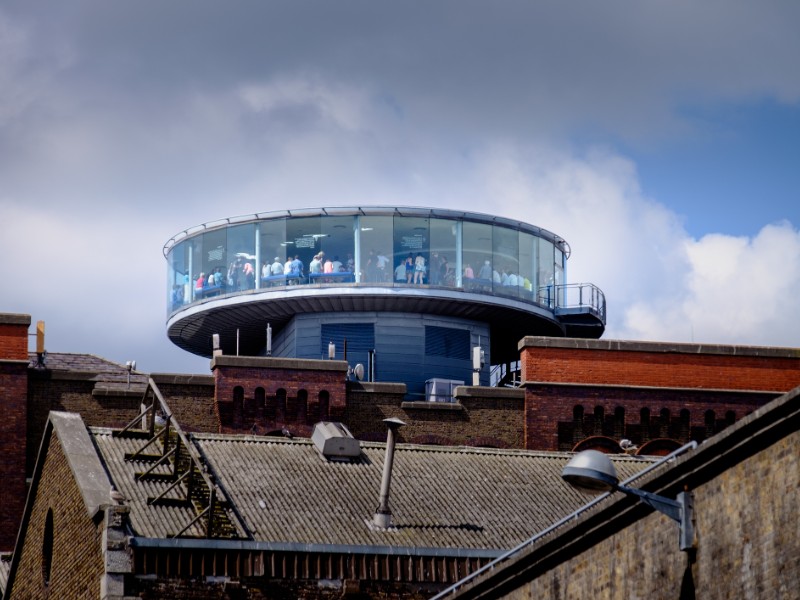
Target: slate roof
[
  {"x": 287, "y": 493},
  {"x": 106, "y": 373}
]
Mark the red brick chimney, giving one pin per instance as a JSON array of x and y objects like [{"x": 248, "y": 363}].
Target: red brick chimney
[{"x": 13, "y": 424}]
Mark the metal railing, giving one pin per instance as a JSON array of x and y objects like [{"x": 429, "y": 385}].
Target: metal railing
[{"x": 585, "y": 297}]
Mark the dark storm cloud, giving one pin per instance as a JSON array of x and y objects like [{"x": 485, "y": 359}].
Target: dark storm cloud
[{"x": 509, "y": 67}]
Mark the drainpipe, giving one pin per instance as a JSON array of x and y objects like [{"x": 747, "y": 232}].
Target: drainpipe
[{"x": 383, "y": 516}]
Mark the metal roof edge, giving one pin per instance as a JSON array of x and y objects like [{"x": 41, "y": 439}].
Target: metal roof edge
[{"x": 257, "y": 546}]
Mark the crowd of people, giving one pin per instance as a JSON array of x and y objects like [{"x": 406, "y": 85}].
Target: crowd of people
[{"x": 414, "y": 269}]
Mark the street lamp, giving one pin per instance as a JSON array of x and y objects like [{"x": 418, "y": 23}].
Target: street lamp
[{"x": 593, "y": 471}]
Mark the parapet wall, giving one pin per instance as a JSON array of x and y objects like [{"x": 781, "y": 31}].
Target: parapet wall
[{"x": 613, "y": 362}]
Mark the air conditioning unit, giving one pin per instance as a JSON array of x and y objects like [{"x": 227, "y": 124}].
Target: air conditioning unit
[
  {"x": 334, "y": 441},
  {"x": 441, "y": 390}
]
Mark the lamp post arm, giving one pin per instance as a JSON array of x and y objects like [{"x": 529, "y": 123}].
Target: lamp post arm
[
  {"x": 664, "y": 505},
  {"x": 680, "y": 510}
]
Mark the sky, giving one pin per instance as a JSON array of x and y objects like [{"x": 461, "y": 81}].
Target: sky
[{"x": 658, "y": 138}]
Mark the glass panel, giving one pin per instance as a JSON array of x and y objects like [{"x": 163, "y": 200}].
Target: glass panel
[
  {"x": 443, "y": 252},
  {"x": 545, "y": 274},
  {"x": 376, "y": 233},
  {"x": 303, "y": 244},
  {"x": 272, "y": 243},
  {"x": 506, "y": 260},
  {"x": 527, "y": 264},
  {"x": 412, "y": 240},
  {"x": 241, "y": 258},
  {"x": 338, "y": 246},
  {"x": 558, "y": 275},
  {"x": 477, "y": 257},
  {"x": 179, "y": 278}
]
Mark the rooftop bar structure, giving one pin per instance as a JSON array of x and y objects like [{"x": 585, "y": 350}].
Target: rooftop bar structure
[{"x": 407, "y": 292}]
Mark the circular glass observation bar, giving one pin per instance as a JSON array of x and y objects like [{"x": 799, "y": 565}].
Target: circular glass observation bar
[{"x": 235, "y": 276}]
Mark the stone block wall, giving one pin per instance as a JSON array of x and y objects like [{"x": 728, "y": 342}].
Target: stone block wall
[
  {"x": 77, "y": 563},
  {"x": 747, "y": 523},
  {"x": 479, "y": 417}
]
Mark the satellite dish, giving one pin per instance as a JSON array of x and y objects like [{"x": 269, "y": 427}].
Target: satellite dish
[{"x": 359, "y": 371}]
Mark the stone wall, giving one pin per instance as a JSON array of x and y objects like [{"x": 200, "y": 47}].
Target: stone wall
[
  {"x": 77, "y": 563},
  {"x": 479, "y": 416},
  {"x": 745, "y": 482}
]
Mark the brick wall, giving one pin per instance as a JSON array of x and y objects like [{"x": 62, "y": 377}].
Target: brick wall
[
  {"x": 14, "y": 336},
  {"x": 73, "y": 392},
  {"x": 553, "y": 423},
  {"x": 13, "y": 404},
  {"x": 480, "y": 417},
  {"x": 659, "y": 365},
  {"x": 191, "y": 399},
  {"x": 77, "y": 564},
  {"x": 13, "y": 400},
  {"x": 265, "y": 394}
]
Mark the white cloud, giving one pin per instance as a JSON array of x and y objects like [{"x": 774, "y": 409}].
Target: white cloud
[{"x": 660, "y": 284}]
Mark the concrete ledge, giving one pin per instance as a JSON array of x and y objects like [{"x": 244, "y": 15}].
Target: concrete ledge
[
  {"x": 181, "y": 379},
  {"x": 473, "y": 391},
  {"x": 90, "y": 476},
  {"x": 15, "y": 319},
  {"x": 657, "y": 347},
  {"x": 614, "y": 386},
  {"x": 374, "y": 387},
  {"x": 425, "y": 405},
  {"x": 264, "y": 362},
  {"x": 133, "y": 392}
]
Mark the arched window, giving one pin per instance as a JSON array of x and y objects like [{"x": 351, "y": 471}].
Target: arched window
[
  {"x": 324, "y": 405},
  {"x": 260, "y": 400},
  {"x": 577, "y": 424},
  {"x": 619, "y": 422},
  {"x": 599, "y": 415},
  {"x": 280, "y": 405},
  {"x": 730, "y": 418},
  {"x": 238, "y": 405},
  {"x": 47, "y": 548},
  {"x": 685, "y": 432},
  {"x": 663, "y": 425},
  {"x": 710, "y": 422},
  {"x": 644, "y": 422},
  {"x": 302, "y": 406}
]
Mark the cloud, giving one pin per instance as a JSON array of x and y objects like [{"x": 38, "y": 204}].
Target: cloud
[
  {"x": 122, "y": 123},
  {"x": 660, "y": 284}
]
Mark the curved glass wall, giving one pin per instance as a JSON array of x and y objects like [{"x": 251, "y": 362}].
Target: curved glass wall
[{"x": 468, "y": 252}]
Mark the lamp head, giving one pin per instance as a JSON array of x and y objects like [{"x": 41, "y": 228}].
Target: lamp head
[{"x": 591, "y": 471}]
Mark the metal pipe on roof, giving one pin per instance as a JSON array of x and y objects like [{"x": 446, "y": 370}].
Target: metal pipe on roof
[{"x": 383, "y": 515}]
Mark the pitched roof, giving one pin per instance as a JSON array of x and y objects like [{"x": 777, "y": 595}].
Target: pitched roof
[
  {"x": 286, "y": 493},
  {"x": 107, "y": 374}
]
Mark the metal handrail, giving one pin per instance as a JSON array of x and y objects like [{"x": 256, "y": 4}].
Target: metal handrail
[{"x": 196, "y": 460}]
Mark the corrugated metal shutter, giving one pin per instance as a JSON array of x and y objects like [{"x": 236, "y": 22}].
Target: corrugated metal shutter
[
  {"x": 360, "y": 338},
  {"x": 447, "y": 342}
]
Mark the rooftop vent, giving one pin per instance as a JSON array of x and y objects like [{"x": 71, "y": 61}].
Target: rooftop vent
[
  {"x": 335, "y": 442},
  {"x": 441, "y": 390}
]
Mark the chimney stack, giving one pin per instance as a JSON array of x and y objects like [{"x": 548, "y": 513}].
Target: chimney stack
[{"x": 383, "y": 516}]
